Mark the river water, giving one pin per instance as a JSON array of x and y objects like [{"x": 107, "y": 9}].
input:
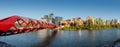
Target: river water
[{"x": 51, "y": 38}]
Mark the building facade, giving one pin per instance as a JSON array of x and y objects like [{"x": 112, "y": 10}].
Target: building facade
[{"x": 57, "y": 20}]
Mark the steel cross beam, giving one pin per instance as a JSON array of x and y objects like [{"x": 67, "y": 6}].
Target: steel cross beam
[{"x": 17, "y": 24}]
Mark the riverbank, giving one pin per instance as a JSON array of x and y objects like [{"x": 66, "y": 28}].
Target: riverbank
[{"x": 92, "y": 27}]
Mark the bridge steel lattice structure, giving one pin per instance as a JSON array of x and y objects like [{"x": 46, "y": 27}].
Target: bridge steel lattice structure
[{"x": 18, "y": 24}]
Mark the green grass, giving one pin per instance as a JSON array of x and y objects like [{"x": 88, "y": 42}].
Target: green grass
[{"x": 91, "y": 27}]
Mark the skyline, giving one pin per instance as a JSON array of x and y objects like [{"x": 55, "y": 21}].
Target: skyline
[{"x": 68, "y": 9}]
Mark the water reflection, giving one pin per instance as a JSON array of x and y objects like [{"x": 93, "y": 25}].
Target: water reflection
[
  {"x": 51, "y": 38},
  {"x": 48, "y": 39},
  {"x": 80, "y": 33},
  {"x": 3, "y": 44},
  {"x": 91, "y": 38},
  {"x": 116, "y": 43},
  {"x": 39, "y": 38}
]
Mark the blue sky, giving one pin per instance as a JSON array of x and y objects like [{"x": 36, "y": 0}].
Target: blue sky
[{"x": 105, "y": 9}]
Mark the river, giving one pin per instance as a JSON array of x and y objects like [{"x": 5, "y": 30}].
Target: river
[{"x": 50, "y": 38}]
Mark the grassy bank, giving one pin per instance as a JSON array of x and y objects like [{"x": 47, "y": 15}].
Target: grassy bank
[{"x": 91, "y": 27}]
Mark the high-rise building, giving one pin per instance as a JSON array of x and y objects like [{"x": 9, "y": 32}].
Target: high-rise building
[
  {"x": 108, "y": 22},
  {"x": 80, "y": 22},
  {"x": 51, "y": 16},
  {"x": 57, "y": 20},
  {"x": 65, "y": 23},
  {"x": 90, "y": 20},
  {"x": 77, "y": 21},
  {"x": 114, "y": 21},
  {"x": 46, "y": 17},
  {"x": 99, "y": 21}
]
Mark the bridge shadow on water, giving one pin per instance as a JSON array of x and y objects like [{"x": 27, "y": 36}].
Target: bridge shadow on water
[
  {"x": 44, "y": 43},
  {"x": 3, "y": 44},
  {"x": 47, "y": 40},
  {"x": 116, "y": 43},
  {"x": 10, "y": 33}
]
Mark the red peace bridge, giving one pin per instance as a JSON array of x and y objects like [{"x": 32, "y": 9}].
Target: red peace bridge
[{"x": 18, "y": 24}]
